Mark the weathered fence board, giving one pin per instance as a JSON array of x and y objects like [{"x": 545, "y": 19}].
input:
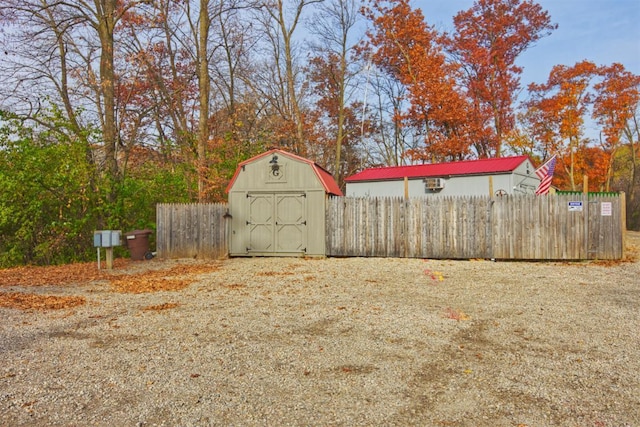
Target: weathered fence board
[
  {"x": 565, "y": 227},
  {"x": 191, "y": 230}
]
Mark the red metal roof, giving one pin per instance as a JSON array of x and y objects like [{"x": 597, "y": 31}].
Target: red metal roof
[
  {"x": 470, "y": 167},
  {"x": 323, "y": 175}
]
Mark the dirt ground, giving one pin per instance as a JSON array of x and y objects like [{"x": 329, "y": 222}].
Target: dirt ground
[{"x": 337, "y": 341}]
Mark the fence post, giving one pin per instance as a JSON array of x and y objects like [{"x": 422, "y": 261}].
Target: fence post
[
  {"x": 585, "y": 213},
  {"x": 489, "y": 250},
  {"x": 406, "y": 188},
  {"x": 623, "y": 222}
]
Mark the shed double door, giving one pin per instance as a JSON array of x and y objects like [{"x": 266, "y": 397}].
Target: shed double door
[{"x": 277, "y": 223}]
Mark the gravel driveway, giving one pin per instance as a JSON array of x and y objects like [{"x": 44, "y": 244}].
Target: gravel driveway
[{"x": 338, "y": 341}]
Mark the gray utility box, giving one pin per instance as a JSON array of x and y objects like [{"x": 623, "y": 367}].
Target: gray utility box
[{"x": 106, "y": 238}]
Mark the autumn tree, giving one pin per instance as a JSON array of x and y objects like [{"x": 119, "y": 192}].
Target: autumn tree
[
  {"x": 39, "y": 64},
  {"x": 521, "y": 140},
  {"x": 404, "y": 46},
  {"x": 329, "y": 115},
  {"x": 614, "y": 108},
  {"x": 486, "y": 43},
  {"x": 557, "y": 111},
  {"x": 165, "y": 79},
  {"x": 332, "y": 74},
  {"x": 208, "y": 131},
  {"x": 57, "y": 45}
]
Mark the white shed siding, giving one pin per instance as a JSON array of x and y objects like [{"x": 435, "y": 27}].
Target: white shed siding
[{"x": 259, "y": 208}]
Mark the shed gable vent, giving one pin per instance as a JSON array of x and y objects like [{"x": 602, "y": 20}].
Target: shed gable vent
[{"x": 434, "y": 183}]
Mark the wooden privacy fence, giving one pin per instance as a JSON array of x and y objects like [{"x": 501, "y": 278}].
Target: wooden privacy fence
[
  {"x": 191, "y": 230},
  {"x": 554, "y": 227},
  {"x": 569, "y": 227}
]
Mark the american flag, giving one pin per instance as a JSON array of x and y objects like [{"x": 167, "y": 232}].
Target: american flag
[{"x": 545, "y": 173}]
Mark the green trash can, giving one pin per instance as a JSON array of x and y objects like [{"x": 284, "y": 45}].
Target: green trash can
[{"x": 138, "y": 244}]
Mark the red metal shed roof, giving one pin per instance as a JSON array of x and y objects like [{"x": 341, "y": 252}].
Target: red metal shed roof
[
  {"x": 470, "y": 167},
  {"x": 323, "y": 175}
]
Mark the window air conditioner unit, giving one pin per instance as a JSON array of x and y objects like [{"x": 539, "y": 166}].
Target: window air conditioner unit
[{"x": 434, "y": 183}]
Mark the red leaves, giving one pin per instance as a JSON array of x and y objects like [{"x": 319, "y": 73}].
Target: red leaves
[
  {"x": 617, "y": 98},
  {"x": 52, "y": 275},
  {"x": 408, "y": 49},
  {"x": 461, "y": 87},
  {"x": 488, "y": 39},
  {"x": 172, "y": 279},
  {"x": 24, "y": 301},
  {"x": 558, "y": 109}
]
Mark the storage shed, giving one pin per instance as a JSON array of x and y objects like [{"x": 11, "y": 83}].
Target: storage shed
[
  {"x": 277, "y": 203},
  {"x": 499, "y": 176}
]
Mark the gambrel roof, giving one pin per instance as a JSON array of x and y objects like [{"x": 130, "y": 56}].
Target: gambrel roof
[{"x": 325, "y": 178}]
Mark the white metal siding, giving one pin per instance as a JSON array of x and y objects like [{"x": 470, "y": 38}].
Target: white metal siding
[
  {"x": 517, "y": 182},
  {"x": 455, "y": 186}
]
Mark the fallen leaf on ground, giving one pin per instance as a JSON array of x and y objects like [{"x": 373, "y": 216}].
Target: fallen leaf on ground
[
  {"x": 458, "y": 315},
  {"x": 38, "y": 302},
  {"x": 159, "y": 307},
  {"x": 168, "y": 279}
]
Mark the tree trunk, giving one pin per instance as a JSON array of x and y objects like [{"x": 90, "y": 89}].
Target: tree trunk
[
  {"x": 341, "y": 114},
  {"x": 106, "y": 22},
  {"x": 293, "y": 97},
  {"x": 204, "y": 83}
]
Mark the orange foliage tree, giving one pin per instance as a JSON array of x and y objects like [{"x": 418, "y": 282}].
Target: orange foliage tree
[
  {"x": 337, "y": 123},
  {"x": 405, "y": 47},
  {"x": 557, "y": 110},
  {"x": 488, "y": 39},
  {"x": 614, "y": 108},
  {"x": 590, "y": 161},
  {"x": 556, "y": 114}
]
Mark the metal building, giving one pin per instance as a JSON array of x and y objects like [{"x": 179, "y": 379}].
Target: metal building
[
  {"x": 498, "y": 176},
  {"x": 277, "y": 206}
]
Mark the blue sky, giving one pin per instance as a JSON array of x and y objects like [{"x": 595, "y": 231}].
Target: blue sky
[{"x": 602, "y": 31}]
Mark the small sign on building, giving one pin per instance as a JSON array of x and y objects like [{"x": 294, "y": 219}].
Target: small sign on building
[
  {"x": 575, "y": 206},
  {"x": 606, "y": 209}
]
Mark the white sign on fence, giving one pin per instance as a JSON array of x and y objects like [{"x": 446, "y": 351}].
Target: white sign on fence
[
  {"x": 575, "y": 206},
  {"x": 606, "y": 209}
]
